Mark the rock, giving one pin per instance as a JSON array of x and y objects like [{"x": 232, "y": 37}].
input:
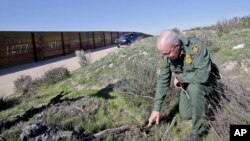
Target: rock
[
  {"x": 32, "y": 130},
  {"x": 110, "y": 65},
  {"x": 39, "y": 132},
  {"x": 49, "y": 133},
  {"x": 239, "y": 46},
  {"x": 43, "y": 137},
  {"x": 144, "y": 53},
  {"x": 40, "y": 116},
  {"x": 114, "y": 81},
  {"x": 63, "y": 135}
]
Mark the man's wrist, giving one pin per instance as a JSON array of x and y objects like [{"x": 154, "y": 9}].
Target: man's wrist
[{"x": 157, "y": 108}]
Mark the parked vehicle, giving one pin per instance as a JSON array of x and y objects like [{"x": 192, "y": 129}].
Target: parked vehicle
[{"x": 126, "y": 39}]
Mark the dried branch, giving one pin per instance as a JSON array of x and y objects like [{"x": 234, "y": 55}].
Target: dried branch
[
  {"x": 166, "y": 133},
  {"x": 215, "y": 132},
  {"x": 106, "y": 132},
  {"x": 137, "y": 95}
]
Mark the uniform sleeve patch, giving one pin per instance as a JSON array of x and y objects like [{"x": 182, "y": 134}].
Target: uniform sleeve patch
[
  {"x": 195, "y": 49},
  {"x": 188, "y": 59}
]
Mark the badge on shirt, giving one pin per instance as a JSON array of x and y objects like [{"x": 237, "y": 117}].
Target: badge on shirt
[
  {"x": 188, "y": 59},
  {"x": 195, "y": 49}
]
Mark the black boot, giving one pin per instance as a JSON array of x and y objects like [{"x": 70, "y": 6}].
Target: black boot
[{"x": 193, "y": 137}]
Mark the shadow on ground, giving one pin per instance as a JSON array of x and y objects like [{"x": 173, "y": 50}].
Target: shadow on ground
[
  {"x": 169, "y": 117},
  {"x": 8, "y": 103},
  {"x": 105, "y": 92}
]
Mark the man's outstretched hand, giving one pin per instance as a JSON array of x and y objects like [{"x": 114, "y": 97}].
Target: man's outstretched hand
[{"x": 155, "y": 117}]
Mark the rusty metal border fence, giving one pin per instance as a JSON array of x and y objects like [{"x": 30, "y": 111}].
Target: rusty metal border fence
[{"x": 25, "y": 47}]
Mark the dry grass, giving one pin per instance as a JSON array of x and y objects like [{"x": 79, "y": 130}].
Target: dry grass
[{"x": 234, "y": 109}]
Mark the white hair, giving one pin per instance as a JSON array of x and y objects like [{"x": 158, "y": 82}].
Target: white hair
[
  {"x": 172, "y": 40},
  {"x": 170, "y": 37}
]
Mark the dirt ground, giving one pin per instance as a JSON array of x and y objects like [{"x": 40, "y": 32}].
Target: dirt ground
[{"x": 8, "y": 75}]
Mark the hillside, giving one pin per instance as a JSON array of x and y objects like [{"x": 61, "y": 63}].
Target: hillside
[{"x": 117, "y": 92}]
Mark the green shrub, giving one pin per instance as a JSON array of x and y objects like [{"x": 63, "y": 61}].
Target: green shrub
[
  {"x": 138, "y": 76},
  {"x": 84, "y": 60},
  {"x": 208, "y": 37},
  {"x": 23, "y": 84},
  {"x": 54, "y": 75},
  {"x": 226, "y": 26}
]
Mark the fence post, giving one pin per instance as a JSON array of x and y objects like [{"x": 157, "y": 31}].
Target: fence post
[
  {"x": 34, "y": 46},
  {"x": 93, "y": 36},
  {"x": 104, "y": 38},
  {"x": 63, "y": 46},
  {"x": 80, "y": 40}
]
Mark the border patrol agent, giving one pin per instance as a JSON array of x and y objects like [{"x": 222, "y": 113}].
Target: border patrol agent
[{"x": 196, "y": 76}]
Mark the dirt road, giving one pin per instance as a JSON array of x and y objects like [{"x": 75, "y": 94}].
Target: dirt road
[{"x": 7, "y": 76}]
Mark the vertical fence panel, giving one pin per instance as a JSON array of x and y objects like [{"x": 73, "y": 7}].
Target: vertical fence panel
[
  {"x": 15, "y": 48},
  {"x": 93, "y": 35},
  {"x": 72, "y": 41},
  {"x": 111, "y": 38},
  {"x": 40, "y": 45},
  {"x": 117, "y": 35},
  {"x": 114, "y": 36},
  {"x": 85, "y": 40},
  {"x": 107, "y": 38},
  {"x": 63, "y": 47},
  {"x": 52, "y": 44},
  {"x": 104, "y": 42},
  {"x": 80, "y": 40},
  {"x": 90, "y": 40},
  {"x": 34, "y": 46},
  {"x": 98, "y": 39}
]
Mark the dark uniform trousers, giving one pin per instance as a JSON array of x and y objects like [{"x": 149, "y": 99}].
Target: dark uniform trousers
[{"x": 196, "y": 106}]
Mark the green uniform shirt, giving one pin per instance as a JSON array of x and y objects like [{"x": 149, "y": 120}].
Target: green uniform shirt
[{"x": 192, "y": 66}]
